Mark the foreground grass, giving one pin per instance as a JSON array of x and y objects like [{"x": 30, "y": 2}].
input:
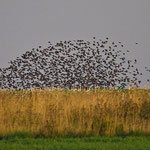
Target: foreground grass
[
  {"x": 90, "y": 143},
  {"x": 80, "y": 113}
]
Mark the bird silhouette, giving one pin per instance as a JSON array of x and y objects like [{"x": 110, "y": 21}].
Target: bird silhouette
[{"x": 72, "y": 64}]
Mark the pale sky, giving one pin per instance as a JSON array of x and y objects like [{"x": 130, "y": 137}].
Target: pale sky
[{"x": 25, "y": 24}]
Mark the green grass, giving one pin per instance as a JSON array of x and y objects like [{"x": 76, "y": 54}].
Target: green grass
[{"x": 86, "y": 143}]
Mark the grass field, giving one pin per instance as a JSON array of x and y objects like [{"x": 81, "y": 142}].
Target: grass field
[
  {"x": 66, "y": 113},
  {"x": 86, "y": 143},
  {"x": 75, "y": 120}
]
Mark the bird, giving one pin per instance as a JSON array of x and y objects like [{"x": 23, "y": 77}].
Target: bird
[{"x": 71, "y": 64}]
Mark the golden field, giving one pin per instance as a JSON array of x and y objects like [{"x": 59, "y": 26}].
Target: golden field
[{"x": 75, "y": 112}]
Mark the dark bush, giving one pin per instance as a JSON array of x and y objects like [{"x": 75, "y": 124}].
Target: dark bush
[{"x": 145, "y": 110}]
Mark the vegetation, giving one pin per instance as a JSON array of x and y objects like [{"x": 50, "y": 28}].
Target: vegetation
[
  {"x": 75, "y": 113},
  {"x": 90, "y": 143}
]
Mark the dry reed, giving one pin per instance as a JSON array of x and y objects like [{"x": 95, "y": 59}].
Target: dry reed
[{"x": 75, "y": 112}]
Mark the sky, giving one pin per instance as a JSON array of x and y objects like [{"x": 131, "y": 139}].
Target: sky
[{"x": 26, "y": 24}]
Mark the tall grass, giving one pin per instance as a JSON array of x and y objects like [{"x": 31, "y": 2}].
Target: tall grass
[{"x": 75, "y": 112}]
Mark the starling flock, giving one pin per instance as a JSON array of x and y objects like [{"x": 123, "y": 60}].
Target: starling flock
[{"x": 72, "y": 65}]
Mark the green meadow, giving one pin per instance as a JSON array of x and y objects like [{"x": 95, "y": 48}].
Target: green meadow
[{"x": 86, "y": 143}]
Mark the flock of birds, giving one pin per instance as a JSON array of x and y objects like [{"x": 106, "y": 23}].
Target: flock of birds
[{"x": 72, "y": 65}]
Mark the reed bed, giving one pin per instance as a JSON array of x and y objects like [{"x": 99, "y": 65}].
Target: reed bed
[{"x": 75, "y": 112}]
